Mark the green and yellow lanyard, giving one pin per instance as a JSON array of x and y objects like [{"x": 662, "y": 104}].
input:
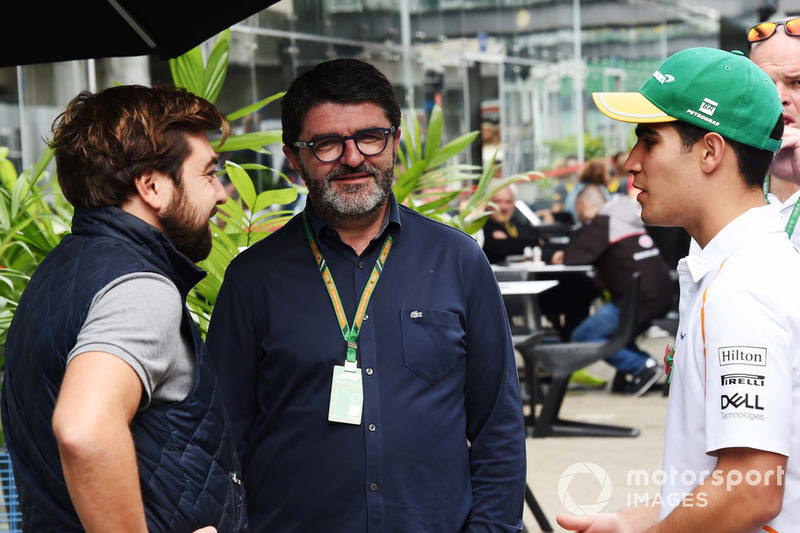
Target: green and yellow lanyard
[
  {"x": 350, "y": 332},
  {"x": 792, "y": 222}
]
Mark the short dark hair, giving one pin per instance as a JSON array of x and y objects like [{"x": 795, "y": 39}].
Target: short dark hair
[
  {"x": 753, "y": 162},
  {"x": 103, "y": 141},
  {"x": 341, "y": 81}
]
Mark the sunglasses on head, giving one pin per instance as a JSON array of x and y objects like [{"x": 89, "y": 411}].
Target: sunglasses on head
[{"x": 765, "y": 30}]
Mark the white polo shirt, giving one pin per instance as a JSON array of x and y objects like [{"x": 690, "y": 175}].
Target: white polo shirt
[
  {"x": 736, "y": 374},
  {"x": 786, "y": 212}
]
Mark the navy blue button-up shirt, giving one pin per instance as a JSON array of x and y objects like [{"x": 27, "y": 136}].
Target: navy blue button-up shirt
[{"x": 441, "y": 446}]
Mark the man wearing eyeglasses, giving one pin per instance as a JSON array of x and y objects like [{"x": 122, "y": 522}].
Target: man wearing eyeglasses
[
  {"x": 364, "y": 349},
  {"x": 775, "y": 47},
  {"x": 707, "y": 125}
]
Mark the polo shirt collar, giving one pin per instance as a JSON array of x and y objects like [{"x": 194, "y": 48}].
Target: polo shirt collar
[
  {"x": 753, "y": 223},
  {"x": 788, "y": 204},
  {"x": 392, "y": 218}
]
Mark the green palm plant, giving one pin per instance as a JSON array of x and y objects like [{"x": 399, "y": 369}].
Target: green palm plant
[
  {"x": 427, "y": 184},
  {"x": 34, "y": 216}
]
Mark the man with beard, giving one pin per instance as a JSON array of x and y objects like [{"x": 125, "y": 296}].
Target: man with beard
[
  {"x": 364, "y": 349},
  {"x": 110, "y": 408}
]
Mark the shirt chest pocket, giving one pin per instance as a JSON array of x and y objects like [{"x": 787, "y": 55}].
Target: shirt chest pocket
[{"x": 432, "y": 342}]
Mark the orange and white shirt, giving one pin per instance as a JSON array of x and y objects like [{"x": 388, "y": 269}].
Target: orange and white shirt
[{"x": 736, "y": 373}]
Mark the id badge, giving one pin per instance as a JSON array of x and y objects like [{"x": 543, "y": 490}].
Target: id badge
[{"x": 347, "y": 396}]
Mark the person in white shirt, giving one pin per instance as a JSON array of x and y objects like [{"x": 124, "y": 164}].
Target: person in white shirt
[
  {"x": 775, "y": 48},
  {"x": 708, "y": 122}
]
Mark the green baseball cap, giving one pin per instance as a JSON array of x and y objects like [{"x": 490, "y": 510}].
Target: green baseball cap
[{"x": 718, "y": 91}]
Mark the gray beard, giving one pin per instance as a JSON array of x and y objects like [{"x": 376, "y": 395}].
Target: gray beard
[{"x": 351, "y": 202}]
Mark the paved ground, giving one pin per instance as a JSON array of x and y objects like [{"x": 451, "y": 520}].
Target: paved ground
[{"x": 574, "y": 474}]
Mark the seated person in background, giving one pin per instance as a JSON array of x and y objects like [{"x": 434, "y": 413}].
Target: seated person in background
[
  {"x": 594, "y": 172},
  {"x": 566, "y": 305},
  {"x": 504, "y": 234},
  {"x": 618, "y": 184},
  {"x": 566, "y": 176},
  {"x": 613, "y": 238}
]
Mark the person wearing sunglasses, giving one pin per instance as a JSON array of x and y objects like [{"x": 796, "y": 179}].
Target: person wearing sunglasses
[
  {"x": 775, "y": 48},
  {"x": 707, "y": 124},
  {"x": 364, "y": 350}
]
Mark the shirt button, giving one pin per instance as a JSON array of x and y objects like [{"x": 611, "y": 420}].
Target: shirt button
[
  {"x": 372, "y": 427},
  {"x": 366, "y": 317},
  {"x": 360, "y": 264},
  {"x": 373, "y": 487},
  {"x": 368, "y": 371}
]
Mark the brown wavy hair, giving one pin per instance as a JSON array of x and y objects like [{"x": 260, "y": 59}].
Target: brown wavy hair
[
  {"x": 103, "y": 141},
  {"x": 595, "y": 172}
]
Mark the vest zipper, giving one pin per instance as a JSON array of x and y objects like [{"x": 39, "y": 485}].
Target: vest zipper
[{"x": 238, "y": 499}]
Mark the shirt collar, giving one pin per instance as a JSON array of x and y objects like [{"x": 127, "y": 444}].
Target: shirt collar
[
  {"x": 753, "y": 223},
  {"x": 392, "y": 218},
  {"x": 788, "y": 204}
]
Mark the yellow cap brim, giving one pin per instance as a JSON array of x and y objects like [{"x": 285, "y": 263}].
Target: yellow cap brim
[{"x": 629, "y": 107}]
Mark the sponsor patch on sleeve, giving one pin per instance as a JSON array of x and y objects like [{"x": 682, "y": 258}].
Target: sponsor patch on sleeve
[{"x": 742, "y": 355}]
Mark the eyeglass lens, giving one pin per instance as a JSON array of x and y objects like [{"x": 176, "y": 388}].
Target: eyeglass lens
[
  {"x": 765, "y": 30},
  {"x": 369, "y": 142}
]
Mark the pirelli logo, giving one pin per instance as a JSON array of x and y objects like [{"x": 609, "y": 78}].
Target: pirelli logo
[{"x": 750, "y": 380}]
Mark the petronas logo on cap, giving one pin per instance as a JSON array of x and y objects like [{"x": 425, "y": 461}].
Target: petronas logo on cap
[{"x": 708, "y": 106}]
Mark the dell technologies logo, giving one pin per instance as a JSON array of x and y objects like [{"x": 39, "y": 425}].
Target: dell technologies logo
[{"x": 737, "y": 400}]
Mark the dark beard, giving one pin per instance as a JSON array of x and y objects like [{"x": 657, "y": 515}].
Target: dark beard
[
  {"x": 179, "y": 223},
  {"x": 351, "y": 202}
]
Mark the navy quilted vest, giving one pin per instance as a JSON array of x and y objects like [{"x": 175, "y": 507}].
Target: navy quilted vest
[{"x": 187, "y": 466}]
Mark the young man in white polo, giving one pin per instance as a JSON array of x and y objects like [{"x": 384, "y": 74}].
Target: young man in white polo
[{"x": 708, "y": 123}]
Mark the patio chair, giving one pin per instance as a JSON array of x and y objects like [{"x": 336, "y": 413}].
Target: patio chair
[{"x": 564, "y": 358}]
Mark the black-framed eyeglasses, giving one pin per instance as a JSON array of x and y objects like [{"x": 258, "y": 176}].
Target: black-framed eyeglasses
[
  {"x": 329, "y": 148},
  {"x": 765, "y": 30}
]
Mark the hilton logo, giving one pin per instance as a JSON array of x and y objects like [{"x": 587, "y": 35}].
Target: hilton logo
[
  {"x": 743, "y": 379},
  {"x": 737, "y": 400},
  {"x": 742, "y": 355}
]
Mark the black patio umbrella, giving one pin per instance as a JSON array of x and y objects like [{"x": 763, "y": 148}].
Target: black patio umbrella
[{"x": 37, "y": 31}]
